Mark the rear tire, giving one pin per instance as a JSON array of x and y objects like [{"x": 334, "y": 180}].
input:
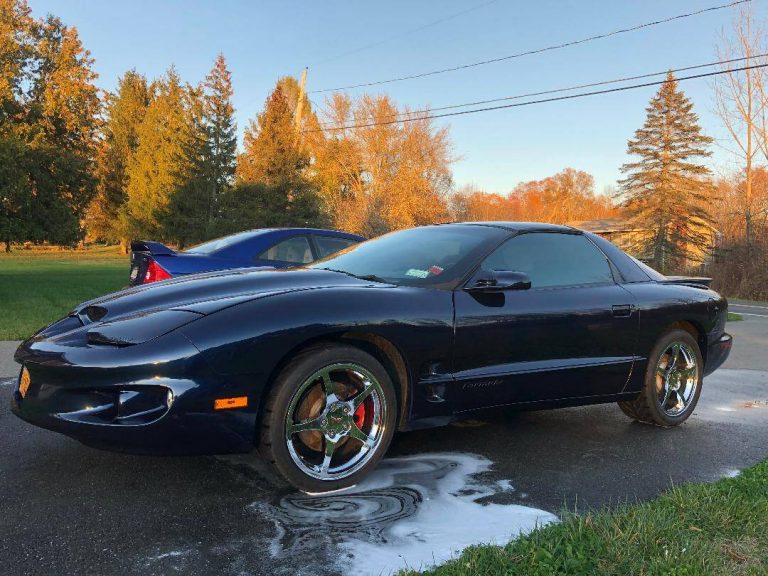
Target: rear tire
[
  {"x": 673, "y": 381},
  {"x": 329, "y": 418}
]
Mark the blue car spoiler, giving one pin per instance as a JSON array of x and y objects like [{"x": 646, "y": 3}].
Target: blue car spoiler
[{"x": 153, "y": 248}]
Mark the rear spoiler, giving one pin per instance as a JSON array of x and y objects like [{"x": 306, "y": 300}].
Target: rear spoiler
[
  {"x": 154, "y": 248},
  {"x": 688, "y": 280}
]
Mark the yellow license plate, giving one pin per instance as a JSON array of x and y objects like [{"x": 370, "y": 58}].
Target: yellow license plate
[{"x": 24, "y": 382}]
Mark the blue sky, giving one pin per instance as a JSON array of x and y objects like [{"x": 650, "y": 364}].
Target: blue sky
[{"x": 263, "y": 40}]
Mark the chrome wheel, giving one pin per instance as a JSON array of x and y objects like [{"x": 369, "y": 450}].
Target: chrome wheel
[
  {"x": 335, "y": 421},
  {"x": 677, "y": 377}
]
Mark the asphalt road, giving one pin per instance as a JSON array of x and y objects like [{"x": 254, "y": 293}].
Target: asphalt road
[{"x": 68, "y": 509}]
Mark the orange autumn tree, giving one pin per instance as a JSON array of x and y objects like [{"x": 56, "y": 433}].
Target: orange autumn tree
[
  {"x": 384, "y": 177},
  {"x": 565, "y": 197}
]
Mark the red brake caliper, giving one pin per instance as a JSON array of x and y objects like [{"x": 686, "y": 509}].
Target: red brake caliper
[{"x": 359, "y": 415}]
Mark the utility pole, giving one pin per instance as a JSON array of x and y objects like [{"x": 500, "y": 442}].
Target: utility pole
[{"x": 300, "y": 105}]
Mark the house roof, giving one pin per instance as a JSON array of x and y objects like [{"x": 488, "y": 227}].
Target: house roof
[{"x": 606, "y": 226}]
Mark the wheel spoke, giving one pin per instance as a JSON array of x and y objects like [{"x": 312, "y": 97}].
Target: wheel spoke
[
  {"x": 673, "y": 357},
  {"x": 680, "y": 400},
  {"x": 688, "y": 372},
  {"x": 357, "y": 434},
  {"x": 305, "y": 426},
  {"x": 330, "y": 447},
  {"x": 667, "y": 393},
  {"x": 368, "y": 387},
  {"x": 328, "y": 386}
]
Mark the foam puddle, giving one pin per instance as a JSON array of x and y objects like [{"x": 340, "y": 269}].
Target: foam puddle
[{"x": 412, "y": 512}]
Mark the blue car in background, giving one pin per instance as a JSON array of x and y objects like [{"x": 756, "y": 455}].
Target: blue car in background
[{"x": 270, "y": 247}]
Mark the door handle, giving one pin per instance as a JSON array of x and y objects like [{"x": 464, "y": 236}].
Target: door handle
[{"x": 622, "y": 310}]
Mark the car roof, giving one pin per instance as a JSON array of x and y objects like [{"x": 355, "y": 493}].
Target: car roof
[
  {"x": 261, "y": 238},
  {"x": 523, "y": 226},
  {"x": 324, "y": 231}
]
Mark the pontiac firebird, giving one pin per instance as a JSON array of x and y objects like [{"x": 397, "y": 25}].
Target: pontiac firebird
[{"x": 317, "y": 366}]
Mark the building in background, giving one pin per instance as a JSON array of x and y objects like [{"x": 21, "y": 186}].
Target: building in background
[{"x": 630, "y": 237}]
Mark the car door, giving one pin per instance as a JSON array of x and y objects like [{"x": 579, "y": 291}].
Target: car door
[{"x": 571, "y": 334}]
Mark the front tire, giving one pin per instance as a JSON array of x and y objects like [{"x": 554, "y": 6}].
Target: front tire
[
  {"x": 673, "y": 381},
  {"x": 329, "y": 418}
]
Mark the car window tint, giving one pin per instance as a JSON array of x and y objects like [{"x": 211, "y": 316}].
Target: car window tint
[
  {"x": 327, "y": 245},
  {"x": 427, "y": 256},
  {"x": 222, "y": 243},
  {"x": 552, "y": 259},
  {"x": 295, "y": 250}
]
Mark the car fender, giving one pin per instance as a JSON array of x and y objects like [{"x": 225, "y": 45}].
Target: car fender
[{"x": 252, "y": 340}]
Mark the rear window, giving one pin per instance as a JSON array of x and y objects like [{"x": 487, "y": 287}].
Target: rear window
[
  {"x": 653, "y": 274},
  {"x": 631, "y": 269},
  {"x": 327, "y": 245},
  {"x": 221, "y": 243}
]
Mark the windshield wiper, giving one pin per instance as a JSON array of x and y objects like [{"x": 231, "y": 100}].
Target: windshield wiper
[
  {"x": 369, "y": 277},
  {"x": 372, "y": 278}
]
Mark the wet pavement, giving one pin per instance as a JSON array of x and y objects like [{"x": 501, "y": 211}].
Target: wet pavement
[{"x": 69, "y": 509}]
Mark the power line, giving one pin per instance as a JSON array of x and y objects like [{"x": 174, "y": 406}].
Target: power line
[
  {"x": 405, "y": 33},
  {"x": 568, "y": 89},
  {"x": 540, "y": 101},
  {"x": 536, "y": 51}
]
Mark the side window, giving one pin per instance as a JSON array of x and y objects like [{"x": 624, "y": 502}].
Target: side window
[
  {"x": 295, "y": 250},
  {"x": 327, "y": 245},
  {"x": 552, "y": 259}
]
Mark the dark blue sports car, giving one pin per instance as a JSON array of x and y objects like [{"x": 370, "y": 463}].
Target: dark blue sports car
[
  {"x": 269, "y": 247},
  {"x": 318, "y": 365}
]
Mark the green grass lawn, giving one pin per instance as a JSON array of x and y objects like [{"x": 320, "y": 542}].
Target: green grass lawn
[
  {"x": 38, "y": 287},
  {"x": 708, "y": 529},
  {"x": 733, "y": 317}
]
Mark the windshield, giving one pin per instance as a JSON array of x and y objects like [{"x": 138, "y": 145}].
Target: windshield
[
  {"x": 220, "y": 243},
  {"x": 425, "y": 256}
]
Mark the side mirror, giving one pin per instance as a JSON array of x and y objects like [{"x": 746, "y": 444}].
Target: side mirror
[{"x": 498, "y": 280}]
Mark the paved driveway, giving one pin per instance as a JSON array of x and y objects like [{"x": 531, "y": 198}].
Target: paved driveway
[{"x": 69, "y": 509}]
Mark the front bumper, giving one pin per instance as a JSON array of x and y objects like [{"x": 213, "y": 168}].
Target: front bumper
[
  {"x": 717, "y": 352},
  {"x": 115, "y": 399}
]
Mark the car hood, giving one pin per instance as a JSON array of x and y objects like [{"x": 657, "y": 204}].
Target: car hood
[{"x": 209, "y": 292}]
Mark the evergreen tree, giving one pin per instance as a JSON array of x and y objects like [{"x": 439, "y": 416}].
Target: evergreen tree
[
  {"x": 207, "y": 161},
  {"x": 156, "y": 170},
  {"x": 259, "y": 205},
  {"x": 218, "y": 114},
  {"x": 272, "y": 188},
  {"x": 188, "y": 214},
  {"x": 125, "y": 112},
  {"x": 271, "y": 152},
  {"x": 666, "y": 190}
]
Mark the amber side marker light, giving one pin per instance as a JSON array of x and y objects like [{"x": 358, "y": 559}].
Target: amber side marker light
[{"x": 226, "y": 403}]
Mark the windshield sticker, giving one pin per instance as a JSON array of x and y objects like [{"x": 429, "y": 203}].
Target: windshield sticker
[
  {"x": 435, "y": 270},
  {"x": 416, "y": 273}
]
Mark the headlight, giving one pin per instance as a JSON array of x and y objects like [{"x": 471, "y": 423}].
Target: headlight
[{"x": 131, "y": 330}]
